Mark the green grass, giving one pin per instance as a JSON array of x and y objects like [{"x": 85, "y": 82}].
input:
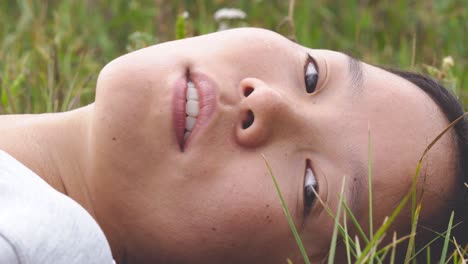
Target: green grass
[{"x": 51, "y": 52}]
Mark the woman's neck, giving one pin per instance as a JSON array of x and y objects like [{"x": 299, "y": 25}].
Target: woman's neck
[{"x": 54, "y": 146}]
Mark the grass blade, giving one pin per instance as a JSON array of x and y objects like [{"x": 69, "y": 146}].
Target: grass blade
[
  {"x": 355, "y": 222},
  {"x": 288, "y": 215},
  {"x": 346, "y": 238},
  {"x": 381, "y": 231},
  {"x": 342, "y": 230},
  {"x": 439, "y": 235},
  {"x": 428, "y": 255},
  {"x": 369, "y": 176},
  {"x": 414, "y": 225},
  {"x": 335, "y": 228},
  {"x": 392, "y": 256},
  {"x": 458, "y": 250},
  {"x": 447, "y": 239},
  {"x": 397, "y": 242},
  {"x": 358, "y": 248}
]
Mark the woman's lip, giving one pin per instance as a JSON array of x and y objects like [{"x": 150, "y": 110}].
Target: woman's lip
[
  {"x": 178, "y": 109},
  {"x": 207, "y": 97}
]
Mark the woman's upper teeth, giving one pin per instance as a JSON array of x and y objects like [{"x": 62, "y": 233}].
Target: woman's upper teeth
[
  {"x": 191, "y": 108},
  {"x": 192, "y": 93}
]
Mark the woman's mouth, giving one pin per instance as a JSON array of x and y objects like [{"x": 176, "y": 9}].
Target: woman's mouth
[{"x": 194, "y": 103}]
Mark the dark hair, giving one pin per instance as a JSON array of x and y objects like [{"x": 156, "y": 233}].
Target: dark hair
[{"x": 452, "y": 109}]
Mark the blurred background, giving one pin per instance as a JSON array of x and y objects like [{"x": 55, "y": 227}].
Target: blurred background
[{"x": 51, "y": 51}]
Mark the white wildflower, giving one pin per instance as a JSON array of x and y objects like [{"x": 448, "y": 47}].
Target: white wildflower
[
  {"x": 229, "y": 14},
  {"x": 447, "y": 62}
]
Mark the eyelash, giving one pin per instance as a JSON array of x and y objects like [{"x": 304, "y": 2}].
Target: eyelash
[
  {"x": 310, "y": 75},
  {"x": 310, "y": 184}
]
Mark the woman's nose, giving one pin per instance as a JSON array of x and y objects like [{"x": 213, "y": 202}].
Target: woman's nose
[{"x": 263, "y": 113}]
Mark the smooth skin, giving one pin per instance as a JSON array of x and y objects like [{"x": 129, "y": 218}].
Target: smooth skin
[{"x": 215, "y": 202}]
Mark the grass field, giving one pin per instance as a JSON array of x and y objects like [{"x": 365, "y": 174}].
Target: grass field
[{"x": 51, "y": 51}]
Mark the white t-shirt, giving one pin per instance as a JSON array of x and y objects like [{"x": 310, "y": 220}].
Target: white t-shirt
[{"x": 40, "y": 225}]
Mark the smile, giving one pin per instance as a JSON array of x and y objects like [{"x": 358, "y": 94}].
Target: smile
[{"x": 194, "y": 103}]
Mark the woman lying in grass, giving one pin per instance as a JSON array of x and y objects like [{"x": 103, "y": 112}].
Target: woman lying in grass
[{"x": 168, "y": 160}]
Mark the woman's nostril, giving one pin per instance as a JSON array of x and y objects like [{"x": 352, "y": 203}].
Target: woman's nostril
[
  {"x": 248, "y": 120},
  {"x": 248, "y": 91}
]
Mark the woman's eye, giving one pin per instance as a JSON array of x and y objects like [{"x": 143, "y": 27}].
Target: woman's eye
[
  {"x": 311, "y": 75},
  {"x": 310, "y": 185}
]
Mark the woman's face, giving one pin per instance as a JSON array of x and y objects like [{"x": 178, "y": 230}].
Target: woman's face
[{"x": 210, "y": 198}]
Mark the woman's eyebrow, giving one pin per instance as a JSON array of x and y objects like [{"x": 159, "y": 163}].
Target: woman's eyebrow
[{"x": 356, "y": 74}]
